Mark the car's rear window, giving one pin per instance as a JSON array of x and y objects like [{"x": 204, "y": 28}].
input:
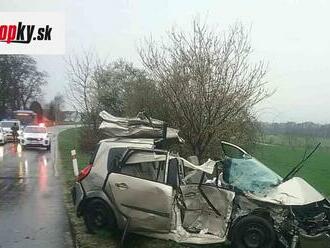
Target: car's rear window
[{"x": 115, "y": 155}]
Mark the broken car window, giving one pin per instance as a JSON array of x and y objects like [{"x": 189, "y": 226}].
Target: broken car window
[
  {"x": 146, "y": 165},
  {"x": 248, "y": 174},
  {"x": 153, "y": 171},
  {"x": 232, "y": 151}
]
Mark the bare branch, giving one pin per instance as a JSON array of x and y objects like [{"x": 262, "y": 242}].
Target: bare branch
[{"x": 207, "y": 79}]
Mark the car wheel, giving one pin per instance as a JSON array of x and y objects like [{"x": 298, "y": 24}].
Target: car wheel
[
  {"x": 98, "y": 216},
  {"x": 48, "y": 148},
  {"x": 23, "y": 147},
  {"x": 253, "y": 232}
]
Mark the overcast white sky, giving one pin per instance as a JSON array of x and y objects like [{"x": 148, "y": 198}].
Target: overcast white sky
[{"x": 293, "y": 37}]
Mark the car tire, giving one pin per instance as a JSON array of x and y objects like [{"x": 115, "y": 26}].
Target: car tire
[
  {"x": 23, "y": 147},
  {"x": 48, "y": 147},
  {"x": 98, "y": 216},
  {"x": 253, "y": 232}
]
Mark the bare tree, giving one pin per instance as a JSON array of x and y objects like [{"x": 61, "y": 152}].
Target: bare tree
[
  {"x": 123, "y": 89},
  {"x": 95, "y": 86},
  {"x": 207, "y": 79},
  {"x": 117, "y": 87},
  {"x": 112, "y": 80},
  {"x": 81, "y": 95},
  {"x": 80, "y": 72},
  {"x": 31, "y": 88},
  {"x": 20, "y": 82}
]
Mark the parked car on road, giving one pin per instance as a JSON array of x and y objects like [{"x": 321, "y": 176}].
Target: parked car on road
[
  {"x": 35, "y": 136},
  {"x": 3, "y": 137},
  {"x": 7, "y": 125},
  {"x": 134, "y": 187}
]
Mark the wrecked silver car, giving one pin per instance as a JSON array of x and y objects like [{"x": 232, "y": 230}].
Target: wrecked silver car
[
  {"x": 132, "y": 186},
  {"x": 297, "y": 213}
]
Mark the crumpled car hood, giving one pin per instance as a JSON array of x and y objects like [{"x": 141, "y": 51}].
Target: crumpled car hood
[{"x": 295, "y": 192}]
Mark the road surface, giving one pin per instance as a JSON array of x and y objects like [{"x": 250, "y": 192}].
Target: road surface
[{"x": 32, "y": 212}]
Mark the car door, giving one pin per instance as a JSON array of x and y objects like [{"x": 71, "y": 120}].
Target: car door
[
  {"x": 140, "y": 193},
  {"x": 208, "y": 208}
]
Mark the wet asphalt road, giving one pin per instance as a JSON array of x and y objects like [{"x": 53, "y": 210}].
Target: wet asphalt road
[{"x": 31, "y": 200}]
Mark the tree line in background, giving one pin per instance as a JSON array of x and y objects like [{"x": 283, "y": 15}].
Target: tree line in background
[
  {"x": 21, "y": 84},
  {"x": 201, "y": 82},
  {"x": 306, "y": 134},
  {"x": 298, "y": 129}
]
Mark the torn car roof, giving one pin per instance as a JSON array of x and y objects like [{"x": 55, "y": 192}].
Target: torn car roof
[
  {"x": 139, "y": 127},
  {"x": 144, "y": 130}
]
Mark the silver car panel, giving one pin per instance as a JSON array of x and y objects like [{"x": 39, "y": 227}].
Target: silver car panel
[
  {"x": 199, "y": 216},
  {"x": 146, "y": 203}
]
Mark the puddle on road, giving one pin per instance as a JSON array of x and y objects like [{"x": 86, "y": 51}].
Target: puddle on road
[
  {"x": 1, "y": 153},
  {"x": 18, "y": 167}
]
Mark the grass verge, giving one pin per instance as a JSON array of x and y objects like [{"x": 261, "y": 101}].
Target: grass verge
[{"x": 68, "y": 140}]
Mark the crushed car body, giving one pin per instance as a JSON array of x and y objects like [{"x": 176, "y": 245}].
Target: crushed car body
[
  {"x": 139, "y": 127},
  {"x": 135, "y": 187}
]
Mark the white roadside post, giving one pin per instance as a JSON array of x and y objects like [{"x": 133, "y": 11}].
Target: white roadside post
[{"x": 74, "y": 162}]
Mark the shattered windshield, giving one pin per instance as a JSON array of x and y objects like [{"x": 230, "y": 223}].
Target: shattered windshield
[{"x": 249, "y": 174}]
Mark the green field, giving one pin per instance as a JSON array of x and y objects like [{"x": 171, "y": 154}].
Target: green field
[
  {"x": 283, "y": 157},
  {"x": 280, "y": 156},
  {"x": 294, "y": 140}
]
